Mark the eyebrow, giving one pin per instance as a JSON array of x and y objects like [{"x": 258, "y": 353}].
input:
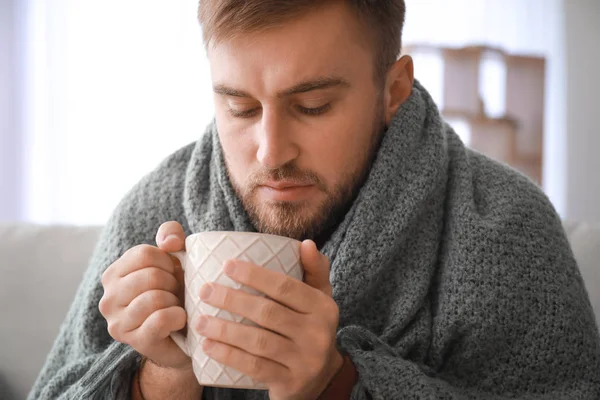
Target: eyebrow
[{"x": 313, "y": 84}]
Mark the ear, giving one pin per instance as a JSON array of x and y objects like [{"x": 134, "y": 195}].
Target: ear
[{"x": 398, "y": 86}]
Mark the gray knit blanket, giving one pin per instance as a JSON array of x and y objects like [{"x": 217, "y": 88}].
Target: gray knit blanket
[{"x": 452, "y": 273}]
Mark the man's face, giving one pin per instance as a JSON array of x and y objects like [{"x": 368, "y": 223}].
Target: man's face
[{"x": 299, "y": 117}]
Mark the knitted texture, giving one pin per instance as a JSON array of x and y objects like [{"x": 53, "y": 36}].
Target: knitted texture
[{"x": 452, "y": 273}]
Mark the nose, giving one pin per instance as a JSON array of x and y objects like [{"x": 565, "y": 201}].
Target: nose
[{"x": 275, "y": 145}]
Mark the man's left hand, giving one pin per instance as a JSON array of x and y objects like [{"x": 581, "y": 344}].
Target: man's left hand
[{"x": 293, "y": 352}]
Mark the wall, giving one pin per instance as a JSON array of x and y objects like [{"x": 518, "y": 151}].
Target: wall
[
  {"x": 102, "y": 107},
  {"x": 582, "y": 61},
  {"x": 10, "y": 154}
]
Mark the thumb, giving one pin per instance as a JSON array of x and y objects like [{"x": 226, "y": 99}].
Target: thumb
[
  {"x": 316, "y": 267},
  {"x": 170, "y": 237}
]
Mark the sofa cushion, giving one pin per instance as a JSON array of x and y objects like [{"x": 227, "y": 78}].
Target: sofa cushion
[
  {"x": 585, "y": 242},
  {"x": 41, "y": 269}
]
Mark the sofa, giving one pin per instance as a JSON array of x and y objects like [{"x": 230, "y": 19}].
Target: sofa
[{"x": 42, "y": 266}]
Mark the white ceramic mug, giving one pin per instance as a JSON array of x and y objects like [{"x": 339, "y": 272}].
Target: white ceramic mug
[{"x": 202, "y": 262}]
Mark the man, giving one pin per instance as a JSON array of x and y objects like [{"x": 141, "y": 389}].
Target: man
[{"x": 431, "y": 271}]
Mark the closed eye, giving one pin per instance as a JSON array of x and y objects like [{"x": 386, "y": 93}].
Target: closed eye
[
  {"x": 243, "y": 113},
  {"x": 314, "y": 111}
]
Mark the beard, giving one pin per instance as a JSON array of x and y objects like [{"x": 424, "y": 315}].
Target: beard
[{"x": 303, "y": 220}]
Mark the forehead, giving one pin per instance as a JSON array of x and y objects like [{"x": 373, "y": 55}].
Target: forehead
[{"x": 325, "y": 42}]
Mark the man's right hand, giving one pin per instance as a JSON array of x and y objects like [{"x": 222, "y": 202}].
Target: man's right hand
[{"x": 143, "y": 292}]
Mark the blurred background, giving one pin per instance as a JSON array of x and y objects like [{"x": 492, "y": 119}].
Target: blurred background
[{"x": 94, "y": 94}]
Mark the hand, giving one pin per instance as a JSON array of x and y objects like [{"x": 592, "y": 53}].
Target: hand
[
  {"x": 142, "y": 298},
  {"x": 295, "y": 356}
]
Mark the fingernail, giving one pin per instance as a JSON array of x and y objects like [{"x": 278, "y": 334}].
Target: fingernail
[
  {"x": 171, "y": 236},
  {"x": 205, "y": 292},
  {"x": 229, "y": 267},
  {"x": 201, "y": 324}
]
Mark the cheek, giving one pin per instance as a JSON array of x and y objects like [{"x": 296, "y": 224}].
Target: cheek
[
  {"x": 342, "y": 146},
  {"x": 238, "y": 149}
]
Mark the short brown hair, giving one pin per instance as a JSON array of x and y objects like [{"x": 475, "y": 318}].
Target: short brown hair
[{"x": 223, "y": 19}]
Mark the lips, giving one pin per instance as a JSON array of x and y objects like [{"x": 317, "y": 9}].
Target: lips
[
  {"x": 282, "y": 185},
  {"x": 287, "y": 191}
]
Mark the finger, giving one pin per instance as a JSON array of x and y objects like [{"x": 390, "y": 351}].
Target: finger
[
  {"x": 144, "y": 256},
  {"x": 316, "y": 267},
  {"x": 109, "y": 274},
  {"x": 144, "y": 305},
  {"x": 152, "y": 340},
  {"x": 264, "y": 312},
  {"x": 160, "y": 324},
  {"x": 144, "y": 280},
  {"x": 253, "y": 340},
  {"x": 258, "y": 368},
  {"x": 284, "y": 289},
  {"x": 171, "y": 237}
]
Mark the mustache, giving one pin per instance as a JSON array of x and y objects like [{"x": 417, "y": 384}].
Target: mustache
[{"x": 287, "y": 172}]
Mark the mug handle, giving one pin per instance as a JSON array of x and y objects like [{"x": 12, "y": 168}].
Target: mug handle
[{"x": 178, "y": 337}]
